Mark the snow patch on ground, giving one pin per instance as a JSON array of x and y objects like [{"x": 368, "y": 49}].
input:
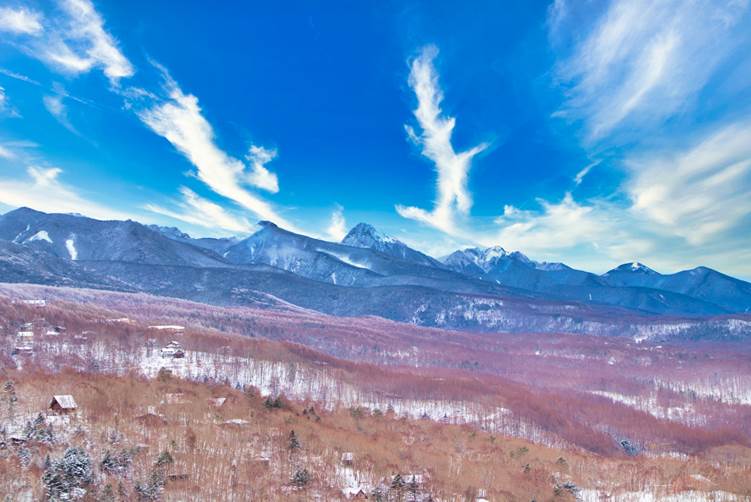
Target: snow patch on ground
[
  {"x": 345, "y": 258},
  {"x": 17, "y": 239},
  {"x": 42, "y": 235},
  {"x": 589, "y": 495},
  {"x": 70, "y": 244},
  {"x": 685, "y": 414}
]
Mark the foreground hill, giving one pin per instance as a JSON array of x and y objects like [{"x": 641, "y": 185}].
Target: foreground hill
[{"x": 518, "y": 417}]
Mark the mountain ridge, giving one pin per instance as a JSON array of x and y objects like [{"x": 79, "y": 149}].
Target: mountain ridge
[{"x": 365, "y": 279}]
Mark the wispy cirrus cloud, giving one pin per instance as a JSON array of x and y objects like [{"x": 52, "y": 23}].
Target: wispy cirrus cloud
[
  {"x": 56, "y": 106},
  {"x": 643, "y": 61},
  {"x": 197, "y": 210},
  {"x": 434, "y": 137},
  {"x": 5, "y": 107},
  {"x": 43, "y": 190},
  {"x": 20, "y": 21},
  {"x": 337, "y": 228},
  {"x": 179, "y": 119},
  {"x": 73, "y": 41},
  {"x": 697, "y": 191}
]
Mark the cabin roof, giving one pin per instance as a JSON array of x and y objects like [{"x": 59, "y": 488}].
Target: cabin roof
[{"x": 65, "y": 401}]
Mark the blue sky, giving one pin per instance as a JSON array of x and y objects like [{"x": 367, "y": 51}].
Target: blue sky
[{"x": 593, "y": 133}]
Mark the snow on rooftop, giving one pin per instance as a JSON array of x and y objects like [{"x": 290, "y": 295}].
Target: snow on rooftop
[{"x": 65, "y": 401}]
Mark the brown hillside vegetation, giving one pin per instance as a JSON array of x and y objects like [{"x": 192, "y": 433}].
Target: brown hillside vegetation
[
  {"x": 242, "y": 449},
  {"x": 519, "y": 416}
]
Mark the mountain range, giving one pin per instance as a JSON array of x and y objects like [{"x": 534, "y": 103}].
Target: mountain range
[{"x": 368, "y": 273}]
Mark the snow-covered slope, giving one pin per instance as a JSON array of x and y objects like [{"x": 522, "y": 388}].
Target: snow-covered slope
[
  {"x": 79, "y": 238},
  {"x": 364, "y": 235}
]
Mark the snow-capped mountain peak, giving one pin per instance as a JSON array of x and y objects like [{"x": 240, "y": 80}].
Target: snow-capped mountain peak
[
  {"x": 633, "y": 267},
  {"x": 482, "y": 258},
  {"x": 365, "y": 235}
]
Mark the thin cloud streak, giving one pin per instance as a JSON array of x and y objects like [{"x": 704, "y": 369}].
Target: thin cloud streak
[
  {"x": 202, "y": 212},
  {"x": 434, "y": 138},
  {"x": 643, "y": 61},
  {"x": 43, "y": 190},
  {"x": 180, "y": 121}
]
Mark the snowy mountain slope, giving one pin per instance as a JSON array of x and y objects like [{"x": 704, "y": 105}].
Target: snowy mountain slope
[
  {"x": 364, "y": 235},
  {"x": 273, "y": 259},
  {"x": 219, "y": 245},
  {"x": 701, "y": 282},
  {"x": 558, "y": 280},
  {"x": 20, "y": 263},
  {"x": 79, "y": 238},
  {"x": 343, "y": 264}
]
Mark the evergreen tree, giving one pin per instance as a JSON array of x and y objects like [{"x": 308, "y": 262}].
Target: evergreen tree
[
  {"x": 72, "y": 471},
  {"x": 397, "y": 483},
  {"x": 151, "y": 489},
  {"x": 301, "y": 478},
  {"x": 294, "y": 443},
  {"x": 9, "y": 388},
  {"x": 164, "y": 459}
]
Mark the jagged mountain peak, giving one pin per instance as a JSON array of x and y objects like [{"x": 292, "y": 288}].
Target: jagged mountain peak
[
  {"x": 365, "y": 235},
  {"x": 482, "y": 258}
]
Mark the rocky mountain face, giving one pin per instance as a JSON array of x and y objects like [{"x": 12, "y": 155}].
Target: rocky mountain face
[
  {"x": 364, "y": 235},
  {"x": 366, "y": 274}
]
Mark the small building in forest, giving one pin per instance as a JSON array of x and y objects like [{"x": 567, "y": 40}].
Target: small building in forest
[
  {"x": 173, "y": 350},
  {"x": 63, "y": 404}
]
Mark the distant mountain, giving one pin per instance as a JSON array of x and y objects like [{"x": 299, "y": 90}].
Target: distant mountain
[
  {"x": 21, "y": 263},
  {"x": 342, "y": 264},
  {"x": 79, "y": 238},
  {"x": 218, "y": 245},
  {"x": 702, "y": 283},
  {"x": 364, "y": 235},
  {"x": 558, "y": 280},
  {"x": 368, "y": 274}
]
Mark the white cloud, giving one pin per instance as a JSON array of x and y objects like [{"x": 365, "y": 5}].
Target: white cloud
[
  {"x": 643, "y": 61},
  {"x": 180, "y": 121},
  {"x": 5, "y": 107},
  {"x": 199, "y": 211},
  {"x": 435, "y": 140},
  {"x": 44, "y": 191},
  {"x": 584, "y": 172},
  {"x": 21, "y": 21},
  {"x": 260, "y": 176},
  {"x": 75, "y": 41},
  {"x": 699, "y": 193},
  {"x": 99, "y": 47},
  {"x": 6, "y": 153},
  {"x": 337, "y": 229},
  {"x": 56, "y": 106},
  {"x": 558, "y": 226},
  {"x": 18, "y": 76}
]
